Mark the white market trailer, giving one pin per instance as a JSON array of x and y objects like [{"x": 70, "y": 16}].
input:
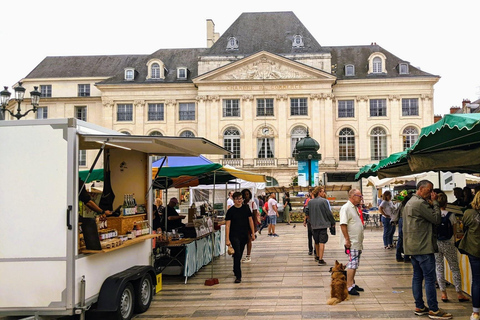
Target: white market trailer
[{"x": 42, "y": 271}]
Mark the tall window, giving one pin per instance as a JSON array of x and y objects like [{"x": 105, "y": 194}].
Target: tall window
[
  {"x": 231, "y": 142},
  {"x": 403, "y": 68},
  {"x": 298, "y": 107},
  {"x": 265, "y": 147},
  {"x": 378, "y": 143},
  {"x": 124, "y": 112},
  {"x": 182, "y": 73},
  {"x": 84, "y": 90},
  {"x": 346, "y": 109},
  {"x": 155, "y": 112},
  {"x": 187, "y": 134},
  {"x": 42, "y": 113},
  {"x": 346, "y": 145},
  {"x": 155, "y": 71},
  {"x": 298, "y": 133},
  {"x": 81, "y": 113},
  {"x": 186, "y": 111},
  {"x": 264, "y": 107},
  {"x": 378, "y": 108},
  {"x": 410, "y": 136},
  {"x": 410, "y": 107},
  {"x": 45, "y": 90},
  {"x": 377, "y": 65},
  {"x": 82, "y": 158},
  {"x": 231, "y": 108}
]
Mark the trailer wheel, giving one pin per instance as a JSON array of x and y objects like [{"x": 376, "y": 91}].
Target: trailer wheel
[
  {"x": 125, "y": 303},
  {"x": 143, "y": 294}
]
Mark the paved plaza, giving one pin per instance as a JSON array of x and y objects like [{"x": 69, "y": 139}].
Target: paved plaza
[{"x": 283, "y": 282}]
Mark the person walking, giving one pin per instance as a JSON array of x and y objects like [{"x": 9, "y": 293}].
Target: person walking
[
  {"x": 421, "y": 215},
  {"x": 247, "y": 200},
  {"x": 470, "y": 243},
  {"x": 386, "y": 209},
  {"x": 446, "y": 233},
  {"x": 286, "y": 208},
  {"x": 306, "y": 223},
  {"x": 352, "y": 232},
  {"x": 272, "y": 215},
  {"x": 321, "y": 218},
  {"x": 238, "y": 228}
]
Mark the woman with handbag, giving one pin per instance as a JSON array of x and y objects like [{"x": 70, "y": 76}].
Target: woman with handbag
[
  {"x": 470, "y": 244},
  {"x": 238, "y": 228}
]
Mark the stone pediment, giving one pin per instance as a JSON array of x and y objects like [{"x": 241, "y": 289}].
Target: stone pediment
[{"x": 264, "y": 66}]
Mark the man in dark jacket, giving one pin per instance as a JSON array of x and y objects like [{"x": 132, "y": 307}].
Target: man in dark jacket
[
  {"x": 321, "y": 218},
  {"x": 421, "y": 215}
]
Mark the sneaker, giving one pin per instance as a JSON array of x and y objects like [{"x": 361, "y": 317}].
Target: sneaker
[
  {"x": 316, "y": 258},
  {"x": 421, "y": 312},
  {"x": 353, "y": 292},
  {"x": 238, "y": 280},
  {"x": 247, "y": 259},
  {"x": 270, "y": 235},
  {"x": 322, "y": 262},
  {"x": 359, "y": 289},
  {"x": 310, "y": 253},
  {"x": 474, "y": 316},
  {"x": 275, "y": 235},
  {"x": 439, "y": 314}
]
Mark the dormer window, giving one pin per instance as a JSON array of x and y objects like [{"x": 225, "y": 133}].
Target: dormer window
[
  {"x": 403, "y": 68},
  {"x": 377, "y": 63},
  {"x": 129, "y": 74},
  {"x": 156, "y": 69},
  {"x": 297, "y": 41},
  {"x": 349, "y": 70},
  {"x": 182, "y": 73},
  {"x": 232, "y": 43}
]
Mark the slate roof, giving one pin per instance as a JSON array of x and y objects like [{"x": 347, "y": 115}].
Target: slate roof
[{"x": 269, "y": 31}]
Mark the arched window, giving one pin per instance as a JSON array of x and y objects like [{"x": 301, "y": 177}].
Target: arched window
[
  {"x": 378, "y": 143},
  {"x": 298, "y": 133},
  {"x": 155, "y": 71},
  {"x": 271, "y": 181},
  {"x": 155, "y": 133},
  {"x": 377, "y": 65},
  {"x": 126, "y": 132},
  {"x": 346, "y": 145},
  {"x": 410, "y": 136},
  {"x": 187, "y": 134},
  {"x": 265, "y": 144},
  {"x": 231, "y": 142}
]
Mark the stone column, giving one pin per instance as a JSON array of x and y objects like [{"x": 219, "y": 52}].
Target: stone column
[
  {"x": 328, "y": 155},
  {"x": 362, "y": 138},
  {"x": 170, "y": 117},
  {"x": 139, "y": 111}
]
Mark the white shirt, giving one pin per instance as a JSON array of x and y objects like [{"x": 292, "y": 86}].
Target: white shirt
[
  {"x": 272, "y": 202},
  {"x": 230, "y": 203}
]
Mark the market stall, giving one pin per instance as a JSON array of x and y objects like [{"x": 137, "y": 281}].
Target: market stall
[{"x": 452, "y": 144}]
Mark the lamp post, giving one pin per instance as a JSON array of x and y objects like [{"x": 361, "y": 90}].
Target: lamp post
[
  {"x": 19, "y": 95},
  {"x": 307, "y": 156}
]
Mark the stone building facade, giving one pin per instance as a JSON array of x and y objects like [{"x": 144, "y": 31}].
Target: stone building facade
[{"x": 256, "y": 89}]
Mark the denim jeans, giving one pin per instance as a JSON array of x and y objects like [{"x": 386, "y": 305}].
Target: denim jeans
[
  {"x": 475, "y": 266},
  {"x": 310, "y": 237},
  {"x": 400, "y": 240},
  {"x": 424, "y": 268},
  {"x": 238, "y": 244},
  {"x": 388, "y": 231}
]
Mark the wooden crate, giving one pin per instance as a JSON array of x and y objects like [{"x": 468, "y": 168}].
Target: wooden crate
[{"x": 124, "y": 223}]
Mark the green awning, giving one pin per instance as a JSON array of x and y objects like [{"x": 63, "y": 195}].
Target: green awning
[{"x": 96, "y": 175}]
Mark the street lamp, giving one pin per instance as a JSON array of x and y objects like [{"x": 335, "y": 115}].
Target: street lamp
[{"x": 19, "y": 94}]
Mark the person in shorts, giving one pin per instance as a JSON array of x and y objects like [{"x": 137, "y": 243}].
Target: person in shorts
[
  {"x": 272, "y": 215},
  {"x": 321, "y": 218},
  {"x": 352, "y": 231}
]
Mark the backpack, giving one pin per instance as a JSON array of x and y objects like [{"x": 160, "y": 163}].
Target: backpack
[{"x": 445, "y": 228}]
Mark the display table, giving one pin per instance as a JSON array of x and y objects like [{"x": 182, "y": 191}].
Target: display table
[
  {"x": 187, "y": 256},
  {"x": 125, "y": 244}
]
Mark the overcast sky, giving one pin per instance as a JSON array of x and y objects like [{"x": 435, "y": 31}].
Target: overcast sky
[{"x": 439, "y": 39}]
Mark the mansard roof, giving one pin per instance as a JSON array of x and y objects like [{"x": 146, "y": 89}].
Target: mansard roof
[
  {"x": 265, "y": 31},
  {"x": 358, "y": 56}
]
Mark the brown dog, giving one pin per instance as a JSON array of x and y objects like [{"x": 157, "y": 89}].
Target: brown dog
[{"x": 339, "y": 290}]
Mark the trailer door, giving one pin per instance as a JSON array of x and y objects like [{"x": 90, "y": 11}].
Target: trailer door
[{"x": 36, "y": 188}]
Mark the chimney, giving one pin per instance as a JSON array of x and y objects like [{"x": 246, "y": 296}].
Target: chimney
[
  {"x": 437, "y": 118},
  {"x": 454, "y": 110},
  {"x": 465, "y": 108},
  {"x": 212, "y": 36}
]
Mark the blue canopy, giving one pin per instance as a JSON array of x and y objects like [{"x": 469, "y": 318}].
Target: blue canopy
[{"x": 182, "y": 161}]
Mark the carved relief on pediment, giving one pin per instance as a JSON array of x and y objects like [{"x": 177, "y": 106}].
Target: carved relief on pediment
[{"x": 265, "y": 68}]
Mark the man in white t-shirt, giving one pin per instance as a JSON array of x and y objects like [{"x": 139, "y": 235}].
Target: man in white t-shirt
[{"x": 272, "y": 215}]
